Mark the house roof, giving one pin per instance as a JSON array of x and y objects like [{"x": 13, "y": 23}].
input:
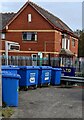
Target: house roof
[
  {"x": 52, "y": 19},
  {"x": 6, "y": 17}
]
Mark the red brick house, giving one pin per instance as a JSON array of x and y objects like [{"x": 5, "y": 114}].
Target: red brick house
[{"x": 37, "y": 30}]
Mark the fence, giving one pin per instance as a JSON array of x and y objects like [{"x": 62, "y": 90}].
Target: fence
[{"x": 28, "y": 61}]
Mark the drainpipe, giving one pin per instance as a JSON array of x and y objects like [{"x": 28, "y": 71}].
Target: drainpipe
[
  {"x": 45, "y": 43},
  {"x": 48, "y": 42}
]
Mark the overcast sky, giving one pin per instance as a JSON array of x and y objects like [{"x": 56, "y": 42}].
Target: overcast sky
[{"x": 68, "y": 11}]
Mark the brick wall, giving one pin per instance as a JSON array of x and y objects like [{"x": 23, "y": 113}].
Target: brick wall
[
  {"x": 46, "y": 41},
  {"x": 37, "y": 23},
  {"x": 74, "y": 49}
]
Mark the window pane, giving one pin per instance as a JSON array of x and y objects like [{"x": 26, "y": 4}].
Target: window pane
[
  {"x": 29, "y": 17},
  {"x": 29, "y": 36},
  {"x": 66, "y": 44},
  {"x": 62, "y": 43},
  {"x": 33, "y": 36},
  {"x": 24, "y": 36},
  {"x": 3, "y": 36}
]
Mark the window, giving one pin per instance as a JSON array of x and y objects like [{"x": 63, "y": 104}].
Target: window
[
  {"x": 30, "y": 36},
  {"x": 73, "y": 42},
  {"x": 29, "y": 17},
  {"x": 3, "y": 36},
  {"x": 65, "y": 43}
]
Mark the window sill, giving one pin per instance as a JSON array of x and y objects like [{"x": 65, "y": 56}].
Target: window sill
[{"x": 26, "y": 41}]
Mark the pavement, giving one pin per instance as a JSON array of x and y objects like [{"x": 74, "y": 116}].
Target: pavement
[{"x": 50, "y": 102}]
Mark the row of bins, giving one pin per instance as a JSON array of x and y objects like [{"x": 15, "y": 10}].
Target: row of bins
[
  {"x": 35, "y": 75},
  {"x": 14, "y": 77}
]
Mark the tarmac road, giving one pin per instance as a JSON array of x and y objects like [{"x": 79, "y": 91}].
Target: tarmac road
[{"x": 50, "y": 102}]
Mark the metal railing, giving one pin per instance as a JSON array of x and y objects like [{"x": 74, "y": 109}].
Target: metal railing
[{"x": 72, "y": 79}]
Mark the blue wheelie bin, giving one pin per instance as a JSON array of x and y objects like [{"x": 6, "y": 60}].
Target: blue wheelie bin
[
  {"x": 68, "y": 71},
  {"x": 56, "y": 76},
  {"x": 10, "y": 85},
  {"x": 44, "y": 75},
  {"x": 10, "y": 68},
  {"x": 29, "y": 76}
]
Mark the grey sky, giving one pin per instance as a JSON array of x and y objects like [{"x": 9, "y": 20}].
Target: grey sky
[{"x": 69, "y": 12}]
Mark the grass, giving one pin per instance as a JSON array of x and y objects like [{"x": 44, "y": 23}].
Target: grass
[
  {"x": 79, "y": 74},
  {"x": 6, "y": 112}
]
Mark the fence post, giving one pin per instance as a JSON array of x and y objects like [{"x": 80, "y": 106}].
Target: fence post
[{"x": 49, "y": 62}]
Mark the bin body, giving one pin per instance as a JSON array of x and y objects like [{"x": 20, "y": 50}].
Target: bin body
[
  {"x": 29, "y": 76},
  {"x": 68, "y": 71},
  {"x": 44, "y": 75},
  {"x": 10, "y": 84},
  {"x": 56, "y": 76},
  {"x": 10, "y": 68}
]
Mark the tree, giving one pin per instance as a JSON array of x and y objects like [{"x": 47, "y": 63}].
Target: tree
[{"x": 80, "y": 42}]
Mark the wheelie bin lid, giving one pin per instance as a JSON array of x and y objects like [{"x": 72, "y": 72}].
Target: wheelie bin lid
[
  {"x": 45, "y": 67},
  {"x": 57, "y": 69},
  {"x": 29, "y": 67},
  {"x": 10, "y": 75},
  {"x": 9, "y": 67}
]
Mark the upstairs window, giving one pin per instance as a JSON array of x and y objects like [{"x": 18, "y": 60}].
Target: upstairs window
[
  {"x": 29, "y": 36},
  {"x": 65, "y": 41},
  {"x": 73, "y": 42},
  {"x": 3, "y": 36},
  {"x": 29, "y": 17}
]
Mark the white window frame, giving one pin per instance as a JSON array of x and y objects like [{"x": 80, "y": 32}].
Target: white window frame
[
  {"x": 3, "y": 36},
  {"x": 64, "y": 43},
  {"x": 29, "y": 17},
  {"x": 68, "y": 44},
  {"x": 35, "y": 37}
]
